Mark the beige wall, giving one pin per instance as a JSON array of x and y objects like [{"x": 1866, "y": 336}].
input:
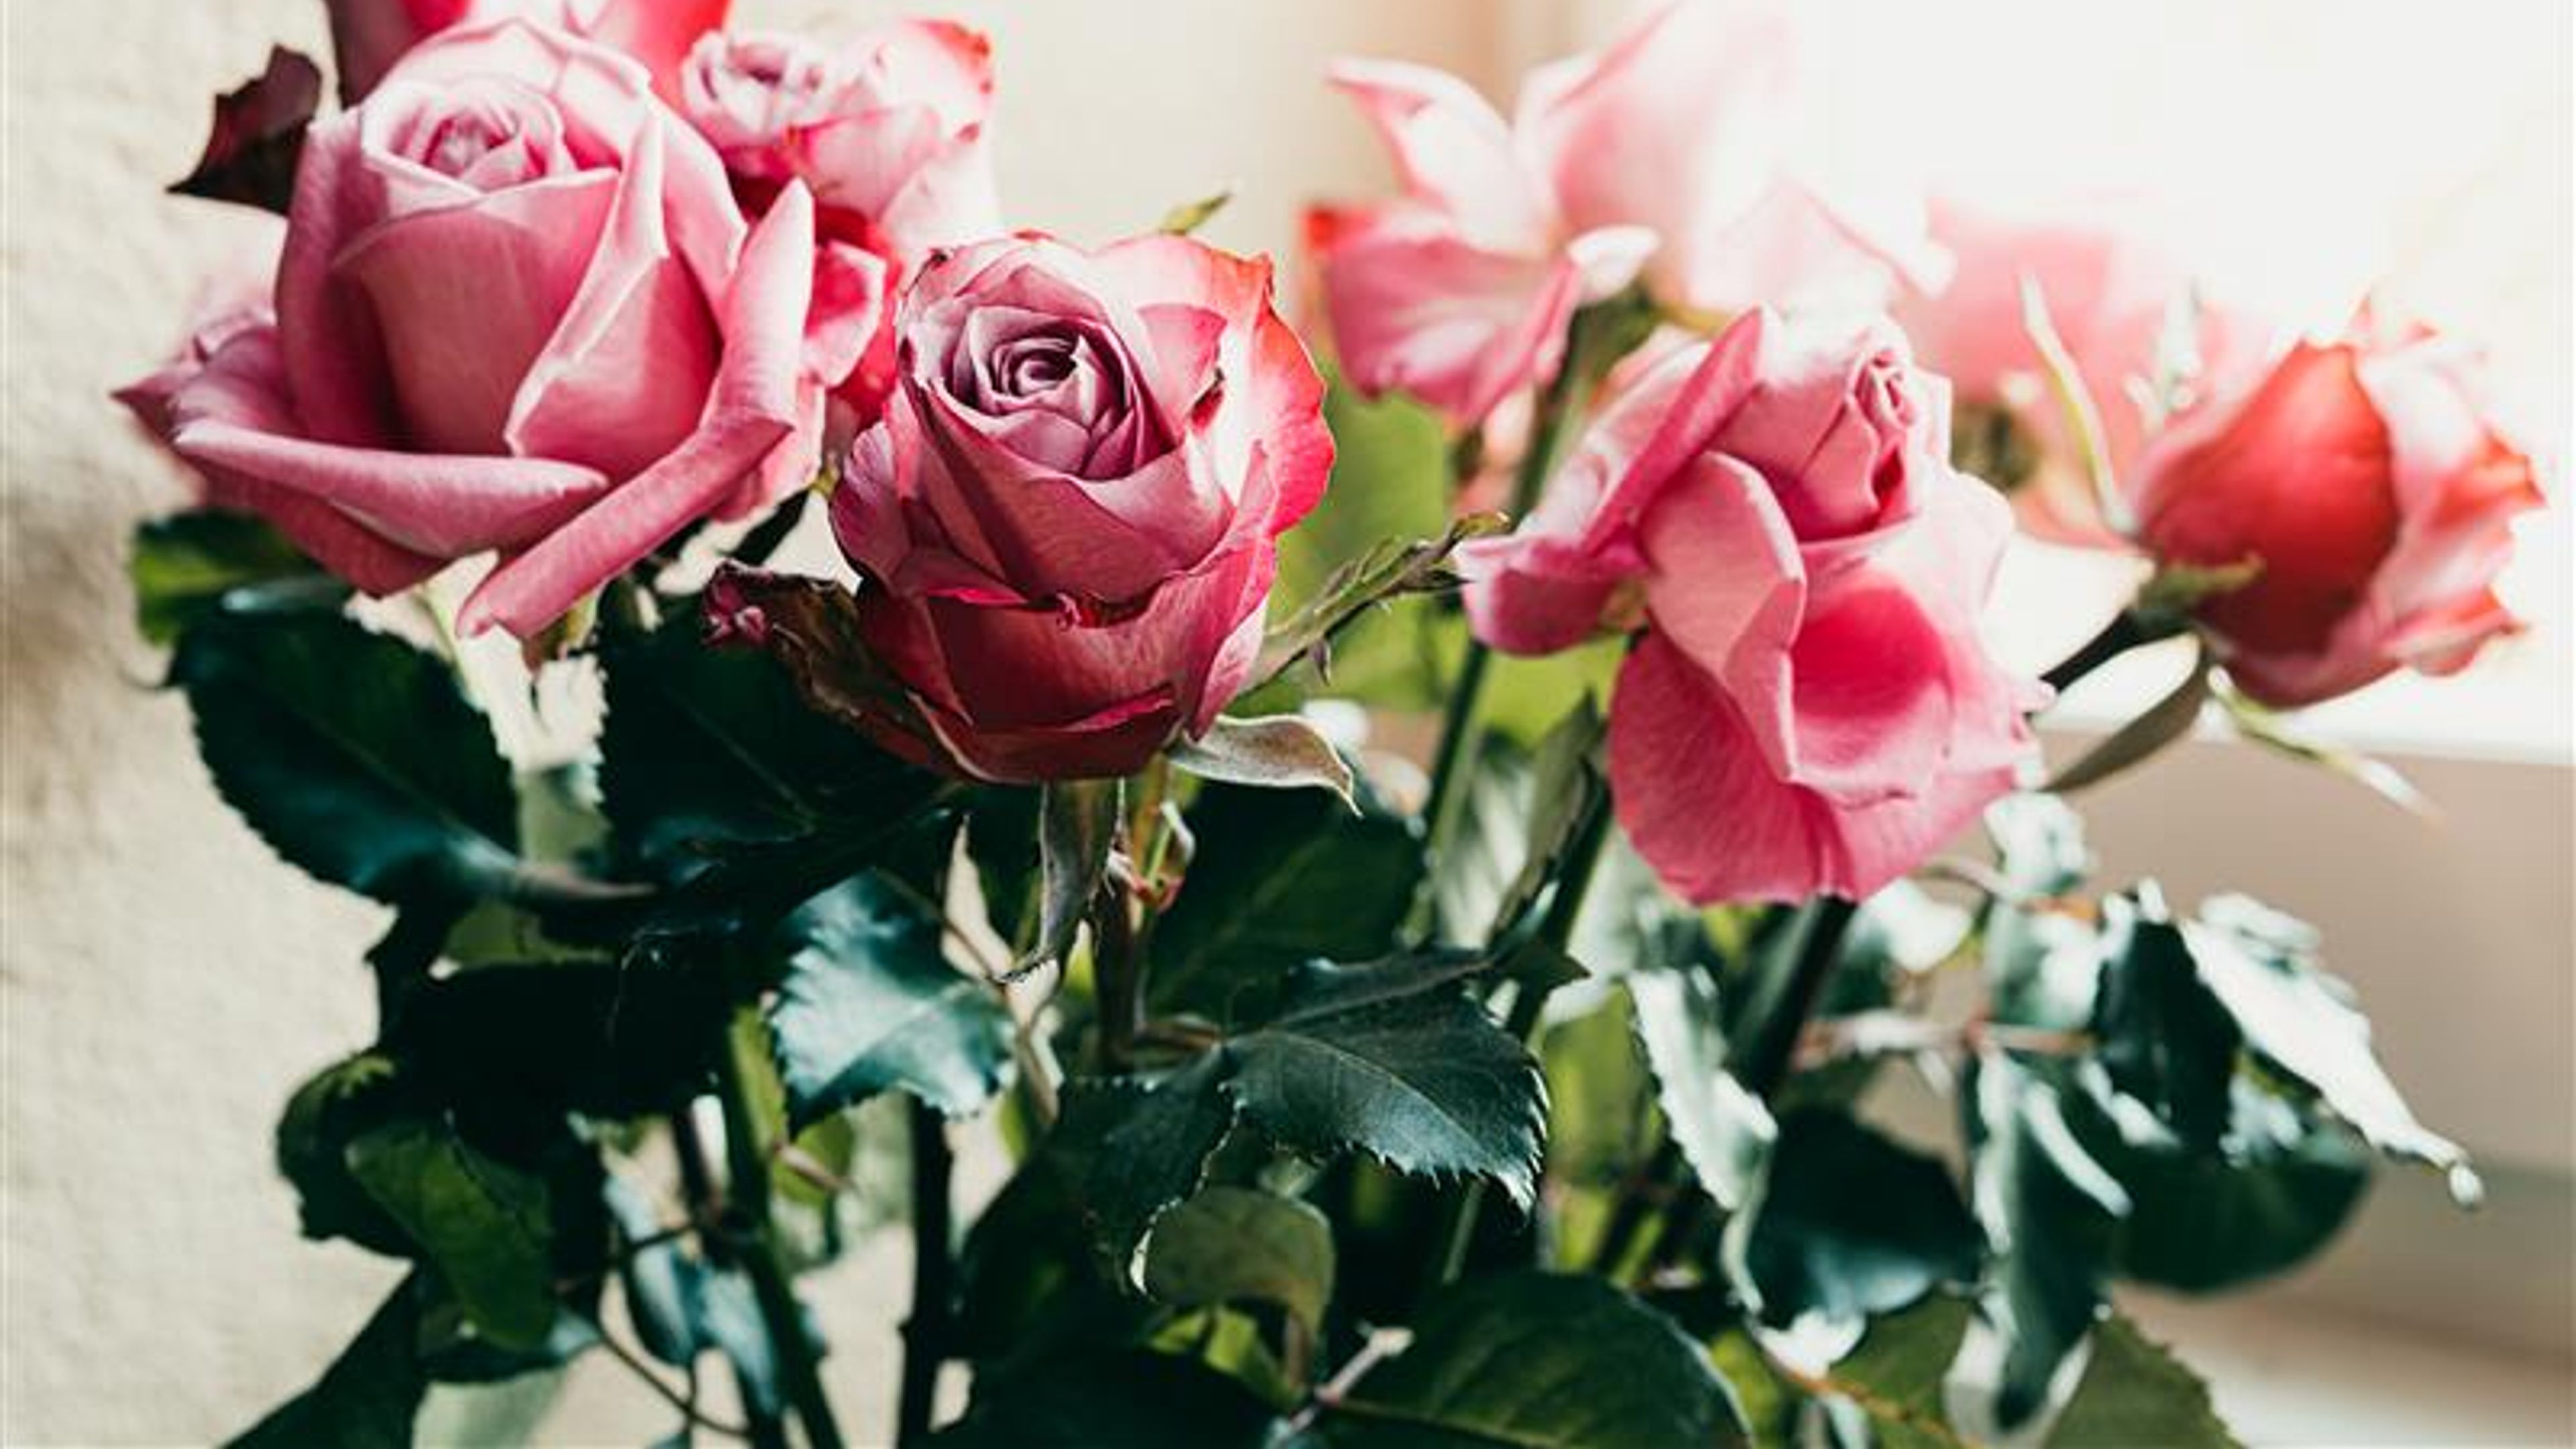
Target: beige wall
[{"x": 166, "y": 982}]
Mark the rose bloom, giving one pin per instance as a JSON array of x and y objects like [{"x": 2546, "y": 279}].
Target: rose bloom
[
  {"x": 518, "y": 311},
  {"x": 368, "y": 36},
  {"x": 889, "y": 134},
  {"x": 1809, "y": 708},
  {"x": 1066, "y": 524},
  {"x": 2366, "y": 479},
  {"x": 2115, "y": 281},
  {"x": 1660, "y": 150}
]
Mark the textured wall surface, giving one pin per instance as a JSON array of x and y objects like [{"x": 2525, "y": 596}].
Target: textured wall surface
[{"x": 165, "y": 981}]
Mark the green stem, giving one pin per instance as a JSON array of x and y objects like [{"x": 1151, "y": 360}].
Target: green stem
[
  {"x": 1457, "y": 1235},
  {"x": 783, "y": 1317},
  {"x": 925, "y": 1334},
  {"x": 2129, "y": 629},
  {"x": 1775, "y": 1050}
]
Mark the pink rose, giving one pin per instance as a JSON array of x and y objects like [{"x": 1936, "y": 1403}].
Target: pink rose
[
  {"x": 889, "y": 135},
  {"x": 1458, "y": 291},
  {"x": 1810, "y": 708},
  {"x": 1679, "y": 126},
  {"x": 518, "y": 311},
  {"x": 2113, "y": 283},
  {"x": 369, "y": 36},
  {"x": 1067, "y": 522},
  {"x": 2367, "y": 480}
]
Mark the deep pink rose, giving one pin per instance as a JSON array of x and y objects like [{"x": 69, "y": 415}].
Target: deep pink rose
[
  {"x": 1458, "y": 291},
  {"x": 2115, "y": 282},
  {"x": 2366, "y": 478},
  {"x": 369, "y": 36},
  {"x": 1810, "y": 708},
  {"x": 889, "y": 133},
  {"x": 1067, "y": 521},
  {"x": 518, "y": 311},
  {"x": 1679, "y": 126}
]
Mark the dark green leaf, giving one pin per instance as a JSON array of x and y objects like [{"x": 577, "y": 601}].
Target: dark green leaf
[
  {"x": 1725, "y": 1132},
  {"x": 2165, "y": 1040},
  {"x": 1895, "y": 1376},
  {"x": 665, "y": 1286},
  {"x": 2051, "y": 1214},
  {"x": 2167, "y": 720},
  {"x": 1115, "y": 1400},
  {"x": 366, "y": 1399},
  {"x": 1232, "y": 1244},
  {"x": 616, "y": 1039},
  {"x": 1144, "y": 1149},
  {"x": 190, "y": 565},
  {"x": 2133, "y": 1392},
  {"x": 1279, "y": 752},
  {"x": 484, "y": 1224},
  {"x": 1280, "y": 877},
  {"x": 2276, "y": 1190},
  {"x": 1400, "y": 1062},
  {"x": 1850, "y": 1224},
  {"x": 1077, "y": 825},
  {"x": 341, "y": 1101},
  {"x": 869, "y": 1004},
  {"x": 1541, "y": 1362},
  {"x": 709, "y": 747},
  {"x": 2262, "y": 966},
  {"x": 352, "y": 753}
]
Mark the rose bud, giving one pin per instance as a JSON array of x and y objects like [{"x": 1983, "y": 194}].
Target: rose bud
[
  {"x": 1066, "y": 524},
  {"x": 2115, "y": 283},
  {"x": 2367, "y": 481},
  {"x": 1810, "y": 708},
  {"x": 518, "y": 311},
  {"x": 1457, "y": 292},
  {"x": 369, "y": 36},
  {"x": 888, "y": 133}
]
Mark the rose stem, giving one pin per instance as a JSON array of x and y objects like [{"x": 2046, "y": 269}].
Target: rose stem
[
  {"x": 925, "y": 1333},
  {"x": 707, "y": 1210},
  {"x": 1457, "y": 1235},
  {"x": 2126, "y": 631},
  {"x": 779, "y": 1311}
]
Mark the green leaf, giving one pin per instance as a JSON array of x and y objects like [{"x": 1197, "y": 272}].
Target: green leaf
[
  {"x": 2039, "y": 845},
  {"x": 1279, "y": 752},
  {"x": 2164, "y": 1039},
  {"x": 352, "y": 754},
  {"x": 1130, "y": 1400},
  {"x": 2167, "y": 720},
  {"x": 1189, "y": 216},
  {"x": 708, "y": 747},
  {"x": 2134, "y": 1392},
  {"x": 869, "y": 1004},
  {"x": 191, "y": 565},
  {"x": 607, "y": 1038},
  {"x": 339, "y": 1102},
  {"x": 1280, "y": 877},
  {"x": 2261, "y": 964},
  {"x": 1565, "y": 783},
  {"x": 1894, "y": 1378},
  {"x": 2051, "y": 1214},
  {"x": 1398, "y": 1061},
  {"x": 368, "y": 1396},
  {"x": 1232, "y": 1244},
  {"x": 1540, "y": 1361},
  {"x": 2269, "y": 730},
  {"x": 1144, "y": 1149},
  {"x": 483, "y": 1223},
  {"x": 1077, "y": 824},
  {"x": 2266, "y": 1198},
  {"x": 1391, "y": 569},
  {"x": 1725, "y": 1132},
  {"x": 1850, "y": 1224}
]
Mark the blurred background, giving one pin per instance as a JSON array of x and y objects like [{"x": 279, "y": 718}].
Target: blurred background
[{"x": 164, "y": 983}]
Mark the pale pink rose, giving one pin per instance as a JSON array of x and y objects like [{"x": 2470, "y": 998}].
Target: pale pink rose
[
  {"x": 1458, "y": 291},
  {"x": 369, "y": 36},
  {"x": 1810, "y": 707},
  {"x": 518, "y": 311},
  {"x": 1067, "y": 522},
  {"x": 2368, "y": 480},
  {"x": 2115, "y": 283},
  {"x": 889, "y": 134},
  {"x": 1680, "y": 126}
]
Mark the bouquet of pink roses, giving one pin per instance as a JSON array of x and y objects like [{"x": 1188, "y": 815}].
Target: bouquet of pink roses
[{"x": 981, "y": 656}]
